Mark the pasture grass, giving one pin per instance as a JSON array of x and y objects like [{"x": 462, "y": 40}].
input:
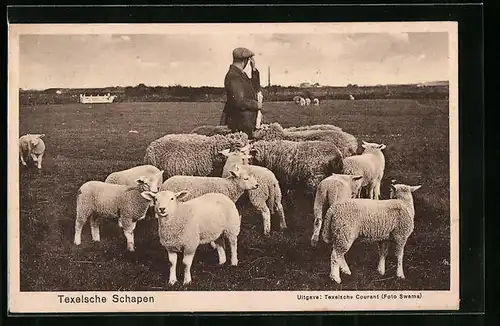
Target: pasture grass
[{"x": 89, "y": 142}]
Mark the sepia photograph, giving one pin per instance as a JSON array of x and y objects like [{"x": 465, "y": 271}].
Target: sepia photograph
[{"x": 233, "y": 167}]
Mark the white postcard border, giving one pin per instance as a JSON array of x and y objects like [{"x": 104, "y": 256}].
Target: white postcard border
[{"x": 230, "y": 301}]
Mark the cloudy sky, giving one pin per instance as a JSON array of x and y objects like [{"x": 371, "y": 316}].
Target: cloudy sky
[{"x": 48, "y": 61}]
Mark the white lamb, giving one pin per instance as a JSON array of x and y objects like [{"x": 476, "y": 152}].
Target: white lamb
[
  {"x": 308, "y": 101},
  {"x": 370, "y": 164},
  {"x": 184, "y": 225},
  {"x": 129, "y": 177},
  {"x": 32, "y": 147},
  {"x": 331, "y": 190},
  {"x": 296, "y": 99},
  {"x": 267, "y": 197},
  {"x": 302, "y": 101},
  {"x": 232, "y": 186},
  {"x": 315, "y": 101},
  {"x": 126, "y": 203},
  {"x": 380, "y": 221}
]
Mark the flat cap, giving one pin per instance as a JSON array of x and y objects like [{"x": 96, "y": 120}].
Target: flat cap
[{"x": 242, "y": 53}]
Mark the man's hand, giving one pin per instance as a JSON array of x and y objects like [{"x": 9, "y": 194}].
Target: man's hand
[
  {"x": 260, "y": 97},
  {"x": 252, "y": 63}
]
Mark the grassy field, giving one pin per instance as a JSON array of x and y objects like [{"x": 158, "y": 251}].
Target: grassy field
[{"x": 89, "y": 142}]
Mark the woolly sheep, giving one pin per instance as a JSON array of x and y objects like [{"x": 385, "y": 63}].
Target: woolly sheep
[
  {"x": 308, "y": 101},
  {"x": 302, "y": 101},
  {"x": 192, "y": 154},
  {"x": 126, "y": 203},
  {"x": 346, "y": 142},
  {"x": 184, "y": 225},
  {"x": 209, "y": 130},
  {"x": 333, "y": 189},
  {"x": 31, "y": 147},
  {"x": 315, "y": 101},
  {"x": 232, "y": 186},
  {"x": 267, "y": 197},
  {"x": 302, "y": 164},
  {"x": 296, "y": 99},
  {"x": 351, "y": 97},
  {"x": 381, "y": 221},
  {"x": 128, "y": 177},
  {"x": 370, "y": 164}
]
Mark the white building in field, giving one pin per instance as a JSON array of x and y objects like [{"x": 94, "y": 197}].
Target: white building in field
[{"x": 92, "y": 99}]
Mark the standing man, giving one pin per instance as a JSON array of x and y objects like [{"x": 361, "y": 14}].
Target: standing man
[{"x": 243, "y": 103}]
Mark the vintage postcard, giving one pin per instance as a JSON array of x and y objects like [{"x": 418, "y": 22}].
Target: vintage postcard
[{"x": 233, "y": 167}]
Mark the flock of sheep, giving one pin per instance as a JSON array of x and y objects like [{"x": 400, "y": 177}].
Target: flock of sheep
[
  {"x": 191, "y": 182},
  {"x": 301, "y": 101}
]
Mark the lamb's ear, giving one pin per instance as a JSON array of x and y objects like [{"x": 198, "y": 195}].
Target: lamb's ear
[
  {"x": 225, "y": 152},
  {"x": 141, "y": 180},
  {"x": 381, "y": 146},
  {"x": 356, "y": 177},
  {"x": 41, "y": 135},
  {"x": 234, "y": 171},
  {"x": 181, "y": 194},
  {"x": 364, "y": 143},
  {"x": 413, "y": 188},
  {"x": 245, "y": 149},
  {"x": 148, "y": 195}
]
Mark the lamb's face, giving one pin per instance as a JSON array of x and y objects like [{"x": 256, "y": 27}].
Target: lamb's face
[
  {"x": 372, "y": 146},
  {"x": 156, "y": 181},
  {"x": 166, "y": 202},
  {"x": 355, "y": 181},
  {"x": 238, "y": 157},
  {"x": 34, "y": 141},
  {"x": 150, "y": 183},
  {"x": 400, "y": 191},
  {"x": 245, "y": 180}
]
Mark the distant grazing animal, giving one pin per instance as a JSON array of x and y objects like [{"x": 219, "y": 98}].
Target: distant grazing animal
[
  {"x": 316, "y": 102},
  {"x": 308, "y": 101},
  {"x": 31, "y": 148}
]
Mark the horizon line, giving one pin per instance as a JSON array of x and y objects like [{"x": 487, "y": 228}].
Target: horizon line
[{"x": 213, "y": 86}]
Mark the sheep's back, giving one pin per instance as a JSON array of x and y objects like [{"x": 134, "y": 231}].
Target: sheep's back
[
  {"x": 181, "y": 155},
  {"x": 336, "y": 189},
  {"x": 371, "y": 219},
  {"x": 196, "y": 186},
  {"x": 101, "y": 197},
  {"x": 129, "y": 176}
]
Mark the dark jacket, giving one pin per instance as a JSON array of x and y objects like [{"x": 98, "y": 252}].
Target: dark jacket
[{"x": 240, "y": 111}]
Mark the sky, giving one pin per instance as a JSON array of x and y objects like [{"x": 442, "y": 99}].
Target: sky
[{"x": 92, "y": 61}]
